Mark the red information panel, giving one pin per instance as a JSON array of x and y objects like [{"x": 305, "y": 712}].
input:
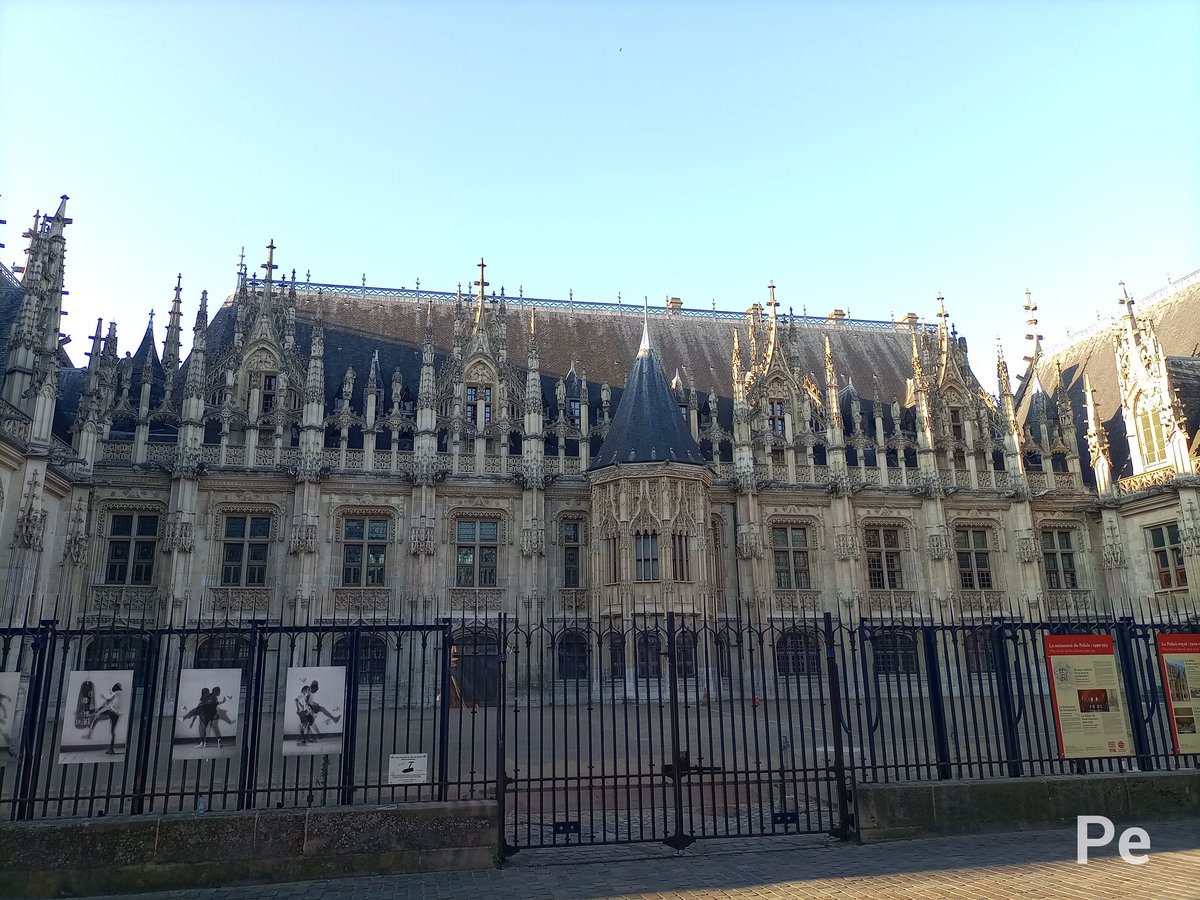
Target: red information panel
[
  {"x": 1179, "y": 655},
  {"x": 1086, "y": 691}
]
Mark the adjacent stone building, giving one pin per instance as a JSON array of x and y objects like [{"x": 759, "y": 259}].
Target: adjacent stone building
[{"x": 329, "y": 453}]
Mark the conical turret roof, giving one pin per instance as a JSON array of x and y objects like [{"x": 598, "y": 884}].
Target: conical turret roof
[{"x": 648, "y": 426}]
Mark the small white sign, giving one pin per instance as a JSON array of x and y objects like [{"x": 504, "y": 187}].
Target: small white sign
[{"x": 408, "y": 768}]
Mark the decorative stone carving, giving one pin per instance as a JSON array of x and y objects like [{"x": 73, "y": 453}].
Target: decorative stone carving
[
  {"x": 362, "y": 600},
  {"x": 421, "y": 540},
  {"x": 1027, "y": 547},
  {"x": 303, "y": 538},
  {"x": 30, "y": 529},
  {"x": 476, "y": 599},
  {"x": 241, "y": 599},
  {"x": 124, "y": 597},
  {"x": 1113, "y": 555},
  {"x": 75, "y": 548},
  {"x": 846, "y": 545},
  {"x": 179, "y": 537},
  {"x": 798, "y": 601},
  {"x": 939, "y": 544},
  {"x": 574, "y": 599},
  {"x": 749, "y": 544},
  {"x": 533, "y": 541}
]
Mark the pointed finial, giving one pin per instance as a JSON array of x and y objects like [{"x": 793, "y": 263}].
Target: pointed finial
[
  {"x": 644, "y": 348},
  {"x": 771, "y": 290},
  {"x": 942, "y": 314},
  {"x": 242, "y": 260},
  {"x": 269, "y": 265},
  {"x": 532, "y": 328},
  {"x": 482, "y": 284},
  {"x": 178, "y": 284}
]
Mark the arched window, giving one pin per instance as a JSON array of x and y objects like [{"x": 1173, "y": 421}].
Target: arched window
[
  {"x": 798, "y": 653},
  {"x": 685, "y": 654},
  {"x": 649, "y": 655},
  {"x": 722, "y": 645},
  {"x": 372, "y": 658},
  {"x": 572, "y": 656},
  {"x": 616, "y": 656},
  {"x": 116, "y": 652},
  {"x": 895, "y": 653},
  {"x": 979, "y": 651},
  {"x": 1149, "y": 433},
  {"x": 223, "y": 651}
]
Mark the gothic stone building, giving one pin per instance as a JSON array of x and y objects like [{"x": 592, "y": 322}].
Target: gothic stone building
[{"x": 329, "y": 453}]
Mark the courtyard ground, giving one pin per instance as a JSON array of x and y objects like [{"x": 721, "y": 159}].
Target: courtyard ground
[{"x": 1022, "y": 865}]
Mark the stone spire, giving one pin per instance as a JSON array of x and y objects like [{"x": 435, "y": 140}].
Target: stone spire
[
  {"x": 1097, "y": 440},
  {"x": 172, "y": 343},
  {"x": 831, "y": 393}
]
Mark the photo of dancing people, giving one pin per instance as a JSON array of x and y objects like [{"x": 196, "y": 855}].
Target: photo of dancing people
[
  {"x": 96, "y": 721},
  {"x": 206, "y": 714},
  {"x": 10, "y": 682},
  {"x": 312, "y": 719}
]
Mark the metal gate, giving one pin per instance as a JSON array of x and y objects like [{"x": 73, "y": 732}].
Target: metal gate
[{"x": 669, "y": 732}]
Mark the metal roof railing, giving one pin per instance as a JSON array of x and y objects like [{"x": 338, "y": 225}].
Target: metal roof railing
[{"x": 364, "y": 292}]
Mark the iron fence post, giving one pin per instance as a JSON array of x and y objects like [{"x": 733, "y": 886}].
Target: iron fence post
[
  {"x": 443, "y": 764},
  {"x": 505, "y": 849},
  {"x": 29, "y": 755},
  {"x": 248, "y": 771},
  {"x": 937, "y": 705},
  {"x": 149, "y": 696},
  {"x": 844, "y": 827},
  {"x": 1133, "y": 693},
  {"x": 678, "y": 840},
  {"x": 350, "y": 737},
  {"x": 1008, "y": 707}
]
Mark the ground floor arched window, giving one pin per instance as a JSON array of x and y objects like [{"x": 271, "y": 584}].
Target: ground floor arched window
[
  {"x": 572, "y": 656},
  {"x": 372, "y": 658}
]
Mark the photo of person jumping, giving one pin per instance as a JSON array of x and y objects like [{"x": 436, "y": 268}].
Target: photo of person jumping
[
  {"x": 110, "y": 710},
  {"x": 206, "y": 724},
  {"x": 313, "y": 721},
  {"x": 96, "y": 728}
]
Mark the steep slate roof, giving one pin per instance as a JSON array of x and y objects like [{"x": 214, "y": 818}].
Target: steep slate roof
[
  {"x": 648, "y": 426},
  {"x": 603, "y": 344},
  {"x": 1177, "y": 324}
]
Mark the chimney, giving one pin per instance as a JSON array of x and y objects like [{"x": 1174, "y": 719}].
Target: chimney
[
  {"x": 674, "y": 305},
  {"x": 909, "y": 319},
  {"x": 838, "y": 315}
]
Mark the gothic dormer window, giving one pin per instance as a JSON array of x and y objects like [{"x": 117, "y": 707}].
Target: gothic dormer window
[
  {"x": 956, "y": 424},
  {"x": 775, "y": 420},
  {"x": 1149, "y": 433},
  {"x": 270, "y": 387},
  {"x": 479, "y": 396},
  {"x": 573, "y": 412}
]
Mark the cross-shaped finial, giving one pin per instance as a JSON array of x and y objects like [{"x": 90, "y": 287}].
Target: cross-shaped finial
[
  {"x": 151, "y": 317},
  {"x": 942, "y": 314},
  {"x": 482, "y": 284},
  {"x": 269, "y": 265},
  {"x": 308, "y": 276},
  {"x": 771, "y": 288}
]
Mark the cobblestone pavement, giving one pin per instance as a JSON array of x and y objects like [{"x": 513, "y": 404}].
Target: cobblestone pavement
[{"x": 1023, "y": 865}]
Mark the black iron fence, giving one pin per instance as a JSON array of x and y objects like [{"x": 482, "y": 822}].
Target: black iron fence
[{"x": 669, "y": 728}]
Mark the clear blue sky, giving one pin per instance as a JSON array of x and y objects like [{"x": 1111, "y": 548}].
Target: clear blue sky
[{"x": 863, "y": 155}]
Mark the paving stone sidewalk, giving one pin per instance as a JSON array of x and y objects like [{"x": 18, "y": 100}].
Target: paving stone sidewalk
[{"x": 1023, "y": 865}]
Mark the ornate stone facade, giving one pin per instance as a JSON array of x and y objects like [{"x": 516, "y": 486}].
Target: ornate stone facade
[{"x": 280, "y": 472}]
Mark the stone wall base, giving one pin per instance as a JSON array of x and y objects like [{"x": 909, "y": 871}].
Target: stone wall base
[
  {"x": 128, "y": 854},
  {"x": 917, "y": 809}
]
